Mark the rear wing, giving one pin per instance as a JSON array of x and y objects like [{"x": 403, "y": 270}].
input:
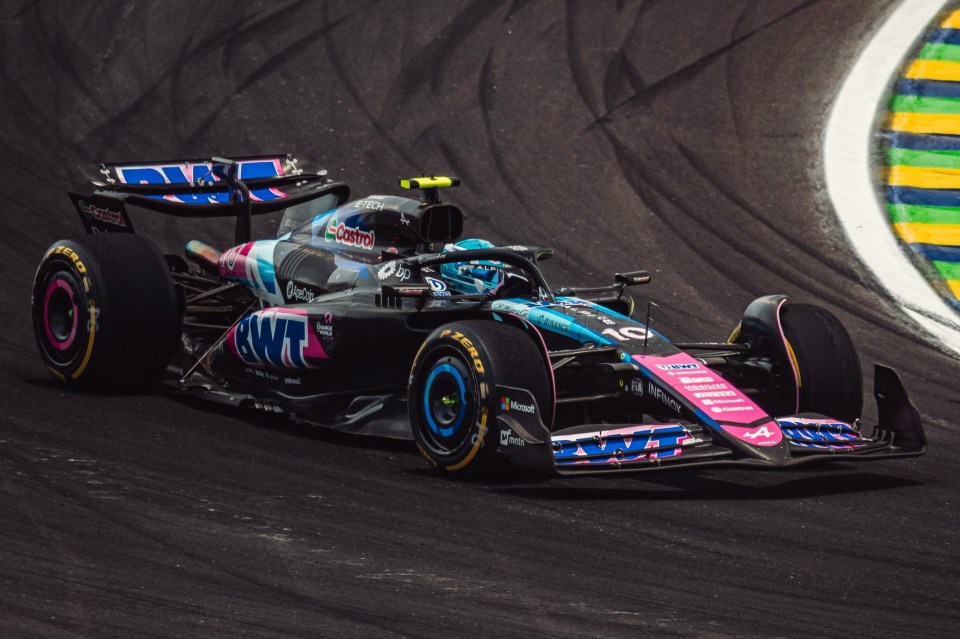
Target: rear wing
[{"x": 219, "y": 187}]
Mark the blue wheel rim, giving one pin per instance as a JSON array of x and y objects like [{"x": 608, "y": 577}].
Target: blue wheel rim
[{"x": 441, "y": 375}]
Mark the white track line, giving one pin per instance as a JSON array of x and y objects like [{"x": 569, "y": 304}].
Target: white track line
[{"x": 851, "y": 178}]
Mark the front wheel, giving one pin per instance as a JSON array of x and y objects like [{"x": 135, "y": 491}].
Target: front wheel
[
  {"x": 451, "y": 397},
  {"x": 829, "y": 378}
]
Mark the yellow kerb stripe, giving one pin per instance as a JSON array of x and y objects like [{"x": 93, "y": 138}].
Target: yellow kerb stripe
[
  {"x": 925, "y": 123},
  {"x": 953, "y": 22},
  {"x": 924, "y": 177},
  {"x": 954, "y": 287},
  {"x": 943, "y": 234},
  {"x": 934, "y": 70}
]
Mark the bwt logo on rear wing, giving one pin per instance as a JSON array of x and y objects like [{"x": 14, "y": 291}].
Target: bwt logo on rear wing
[
  {"x": 196, "y": 173},
  {"x": 219, "y": 187},
  {"x": 190, "y": 183}
]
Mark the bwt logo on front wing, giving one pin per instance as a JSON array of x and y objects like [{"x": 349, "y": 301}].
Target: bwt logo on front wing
[
  {"x": 271, "y": 338},
  {"x": 507, "y": 405}
]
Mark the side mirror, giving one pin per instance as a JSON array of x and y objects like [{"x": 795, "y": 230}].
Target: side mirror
[{"x": 633, "y": 278}]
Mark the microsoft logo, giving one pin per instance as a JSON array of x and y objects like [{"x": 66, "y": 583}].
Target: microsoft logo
[{"x": 507, "y": 405}]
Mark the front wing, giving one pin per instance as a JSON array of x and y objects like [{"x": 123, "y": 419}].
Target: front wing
[{"x": 807, "y": 438}]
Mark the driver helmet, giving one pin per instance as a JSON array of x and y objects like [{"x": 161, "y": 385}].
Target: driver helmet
[{"x": 475, "y": 277}]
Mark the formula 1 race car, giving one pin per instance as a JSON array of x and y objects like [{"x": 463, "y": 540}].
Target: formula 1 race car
[{"x": 373, "y": 316}]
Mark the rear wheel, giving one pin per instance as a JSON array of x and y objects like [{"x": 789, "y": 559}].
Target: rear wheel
[
  {"x": 828, "y": 369},
  {"x": 105, "y": 311},
  {"x": 451, "y": 397}
]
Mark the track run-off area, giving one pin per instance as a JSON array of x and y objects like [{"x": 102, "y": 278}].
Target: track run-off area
[{"x": 687, "y": 139}]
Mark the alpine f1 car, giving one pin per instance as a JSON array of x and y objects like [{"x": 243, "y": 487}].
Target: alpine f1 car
[{"x": 374, "y": 316}]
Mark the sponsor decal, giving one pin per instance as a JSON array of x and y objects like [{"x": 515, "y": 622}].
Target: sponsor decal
[
  {"x": 387, "y": 270},
  {"x": 201, "y": 173},
  {"x": 101, "y": 214},
  {"x": 394, "y": 268},
  {"x": 730, "y": 409},
  {"x": 430, "y": 259},
  {"x": 267, "y": 375},
  {"x": 438, "y": 287},
  {"x": 661, "y": 395},
  {"x": 274, "y": 338},
  {"x": 801, "y": 422},
  {"x": 369, "y": 203},
  {"x": 697, "y": 380},
  {"x": 324, "y": 330},
  {"x": 196, "y": 173},
  {"x": 706, "y": 387},
  {"x": 230, "y": 257},
  {"x": 299, "y": 293},
  {"x": 292, "y": 381},
  {"x": 325, "y": 327},
  {"x": 679, "y": 367},
  {"x": 766, "y": 435},
  {"x": 252, "y": 263},
  {"x": 711, "y": 402},
  {"x": 636, "y": 386},
  {"x": 507, "y": 438},
  {"x": 597, "y": 316},
  {"x": 726, "y": 393},
  {"x": 349, "y": 235},
  {"x": 549, "y": 321},
  {"x": 507, "y": 405},
  {"x": 467, "y": 344},
  {"x": 64, "y": 250}
]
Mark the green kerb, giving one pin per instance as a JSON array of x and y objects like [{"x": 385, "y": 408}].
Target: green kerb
[
  {"x": 949, "y": 270},
  {"x": 920, "y": 104},
  {"x": 924, "y": 214},
  {"x": 935, "y": 51},
  {"x": 932, "y": 159}
]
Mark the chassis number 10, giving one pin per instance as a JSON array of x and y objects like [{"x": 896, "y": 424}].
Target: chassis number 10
[{"x": 626, "y": 333}]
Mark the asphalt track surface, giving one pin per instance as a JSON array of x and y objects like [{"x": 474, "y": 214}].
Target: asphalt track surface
[{"x": 683, "y": 137}]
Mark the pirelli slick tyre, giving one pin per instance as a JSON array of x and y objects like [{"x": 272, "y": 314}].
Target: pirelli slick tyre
[
  {"x": 451, "y": 397},
  {"x": 828, "y": 369},
  {"x": 105, "y": 311}
]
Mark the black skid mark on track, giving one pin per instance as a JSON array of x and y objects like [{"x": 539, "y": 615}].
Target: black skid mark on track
[
  {"x": 692, "y": 69},
  {"x": 428, "y": 63}
]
